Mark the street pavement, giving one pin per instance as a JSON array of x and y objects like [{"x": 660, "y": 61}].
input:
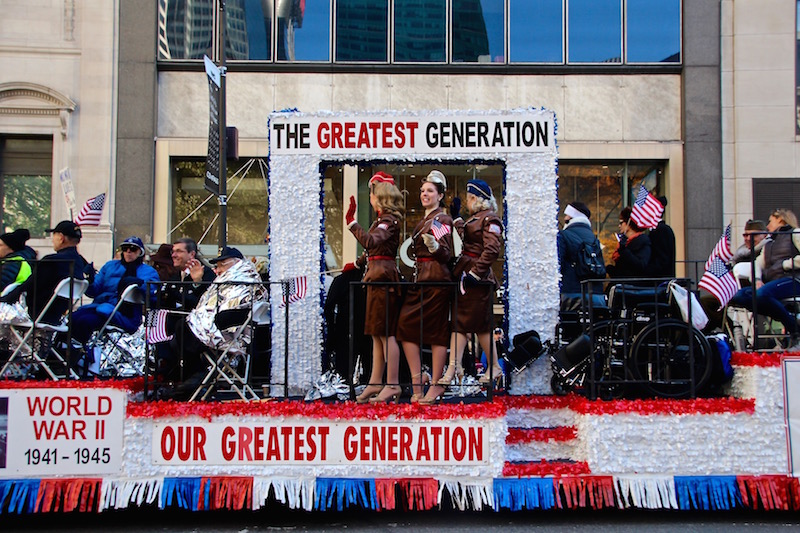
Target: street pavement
[{"x": 281, "y": 519}]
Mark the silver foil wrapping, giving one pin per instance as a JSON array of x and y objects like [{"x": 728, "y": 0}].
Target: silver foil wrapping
[
  {"x": 328, "y": 385},
  {"x": 225, "y": 293}
]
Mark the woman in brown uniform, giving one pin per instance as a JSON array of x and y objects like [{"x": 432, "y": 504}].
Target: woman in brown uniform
[
  {"x": 482, "y": 237},
  {"x": 425, "y": 315},
  {"x": 380, "y": 244}
]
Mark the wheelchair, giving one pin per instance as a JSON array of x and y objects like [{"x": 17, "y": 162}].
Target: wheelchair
[{"x": 638, "y": 344}]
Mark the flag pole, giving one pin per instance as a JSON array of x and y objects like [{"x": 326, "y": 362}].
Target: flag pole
[{"x": 223, "y": 156}]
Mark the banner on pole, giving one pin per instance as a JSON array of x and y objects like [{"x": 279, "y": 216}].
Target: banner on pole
[{"x": 214, "y": 100}]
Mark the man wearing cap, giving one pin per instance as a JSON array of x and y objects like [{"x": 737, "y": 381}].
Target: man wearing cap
[
  {"x": 15, "y": 255},
  {"x": 48, "y": 272},
  {"x": 106, "y": 289},
  {"x": 213, "y": 321},
  {"x": 662, "y": 249},
  {"x": 576, "y": 233}
]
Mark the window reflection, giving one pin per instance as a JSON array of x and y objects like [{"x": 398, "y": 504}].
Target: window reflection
[
  {"x": 654, "y": 31},
  {"x": 361, "y": 30},
  {"x": 26, "y": 178},
  {"x": 194, "y": 216},
  {"x": 478, "y": 31},
  {"x": 594, "y": 28},
  {"x": 539, "y": 31},
  {"x": 420, "y": 30},
  {"x": 304, "y": 30},
  {"x": 536, "y": 31}
]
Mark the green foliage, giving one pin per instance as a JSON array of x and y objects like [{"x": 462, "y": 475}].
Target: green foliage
[{"x": 26, "y": 203}]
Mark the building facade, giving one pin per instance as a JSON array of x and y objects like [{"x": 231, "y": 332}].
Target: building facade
[
  {"x": 637, "y": 102},
  {"x": 58, "y": 94},
  {"x": 116, "y": 93}
]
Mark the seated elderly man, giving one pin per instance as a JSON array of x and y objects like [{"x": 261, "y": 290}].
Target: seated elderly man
[
  {"x": 46, "y": 274},
  {"x": 208, "y": 325}
]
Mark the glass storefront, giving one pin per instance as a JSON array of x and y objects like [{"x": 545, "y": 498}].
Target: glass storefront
[
  {"x": 606, "y": 187},
  {"x": 195, "y": 211}
]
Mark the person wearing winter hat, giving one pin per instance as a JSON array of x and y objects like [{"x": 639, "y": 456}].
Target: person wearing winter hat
[
  {"x": 106, "y": 288},
  {"x": 162, "y": 262},
  {"x": 576, "y": 234},
  {"x": 482, "y": 237},
  {"x": 15, "y": 255}
]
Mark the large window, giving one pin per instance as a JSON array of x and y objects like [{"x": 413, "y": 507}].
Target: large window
[
  {"x": 594, "y": 28},
  {"x": 26, "y": 177},
  {"x": 536, "y": 31},
  {"x": 420, "y": 31},
  {"x": 427, "y": 31},
  {"x": 195, "y": 210},
  {"x": 606, "y": 187}
]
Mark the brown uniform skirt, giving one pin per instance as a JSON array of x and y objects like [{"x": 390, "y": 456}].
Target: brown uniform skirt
[
  {"x": 427, "y": 319},
  {"x": 473, "y": 310},
  {"x": 383, "y": 305}
]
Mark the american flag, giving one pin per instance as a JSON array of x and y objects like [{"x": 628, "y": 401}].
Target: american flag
[
  {"x": 647, "y": 210},
  {"x": 718, "y": 278},
  {"x": 91, "y": 211},
  {"x": 438, "y": 229},
  {"x": 294, "y": 291},
  {"x": 156, "y": 326}
]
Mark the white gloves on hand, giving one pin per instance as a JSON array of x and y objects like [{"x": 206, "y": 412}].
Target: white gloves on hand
[{"x": 430, "y": 242}]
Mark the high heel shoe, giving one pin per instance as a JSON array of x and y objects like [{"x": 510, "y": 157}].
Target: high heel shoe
[
  {"x": 425, "y": 379},
  {"x": 392, "y": 396},
  {"x": 454, "y": 371},
  {"x": 430, "y": 400},
  {"x": 369, "y": 392},
  {"x": 497, "y": 376}
]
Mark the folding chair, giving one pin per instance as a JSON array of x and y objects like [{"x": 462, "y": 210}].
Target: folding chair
[
  {"x": 224, "y": 368},
  {"x": 115, "y": 356},
  {"x": 70, "y": 289}
]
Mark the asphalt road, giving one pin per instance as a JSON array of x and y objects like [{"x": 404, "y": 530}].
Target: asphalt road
[{"x": 281, "y": 519}]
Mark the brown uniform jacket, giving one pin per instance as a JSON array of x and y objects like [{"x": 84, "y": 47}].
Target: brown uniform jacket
[
  {"x": 381, "y": 241},
  {"x": 482, "y": 237},
  {"x": 435, "y": 270}
]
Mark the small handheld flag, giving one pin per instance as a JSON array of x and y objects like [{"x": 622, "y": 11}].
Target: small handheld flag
[
  {"x": 91, "y": 211},
  {"x": 647, "y": 210},
  {"x": 156, "y": 326},
  {"x": 438, "y": 229},
  {"x": 718, "y": 278}
]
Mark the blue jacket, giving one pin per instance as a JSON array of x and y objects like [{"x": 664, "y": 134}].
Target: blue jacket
[{"x": 106, "y": 292}]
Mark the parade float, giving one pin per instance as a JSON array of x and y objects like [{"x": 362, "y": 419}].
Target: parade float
[{"x": 94, "y": 446}]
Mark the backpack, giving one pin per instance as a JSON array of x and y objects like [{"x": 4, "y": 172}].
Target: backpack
[{"x": 589, "y": 262}]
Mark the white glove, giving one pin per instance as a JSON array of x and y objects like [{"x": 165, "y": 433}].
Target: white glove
[{"x": 430, "y": 242}]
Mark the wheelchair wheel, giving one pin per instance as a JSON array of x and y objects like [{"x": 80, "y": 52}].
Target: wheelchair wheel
[
  {"x": 660, "y": 358},
  {"x": 559, "y": 386}
]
